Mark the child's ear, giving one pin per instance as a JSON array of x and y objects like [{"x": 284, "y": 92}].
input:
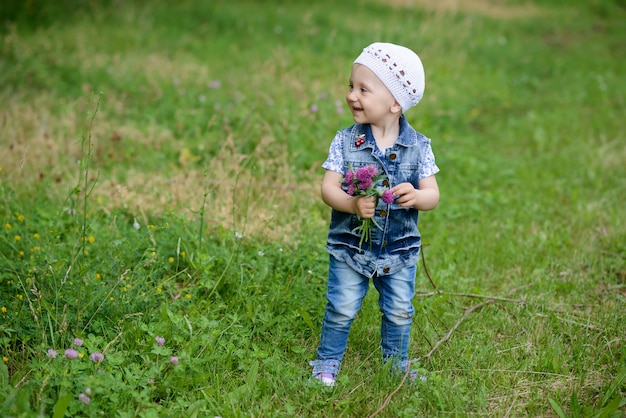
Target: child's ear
[{"x": 396, "y": 107}]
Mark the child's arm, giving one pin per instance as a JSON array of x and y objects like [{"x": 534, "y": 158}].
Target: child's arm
[
  {"x": 424, "y": 198},
  {"x": 334, "y": 196}
]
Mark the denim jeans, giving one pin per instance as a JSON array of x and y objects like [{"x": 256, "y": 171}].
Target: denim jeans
[{"x": 346, "y": 290}]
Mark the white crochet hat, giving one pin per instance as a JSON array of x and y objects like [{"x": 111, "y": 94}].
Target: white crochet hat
[{"x": 400, "y": 70}]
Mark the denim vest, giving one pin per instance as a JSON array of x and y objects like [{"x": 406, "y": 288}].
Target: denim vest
[{"x": 397, "y": 244}]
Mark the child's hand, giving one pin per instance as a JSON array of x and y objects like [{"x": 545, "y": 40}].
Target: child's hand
[
  {"x": 425, "y": 197},
  {"x": 406, "y": 194},
  {"x": 364, "y": 207}
]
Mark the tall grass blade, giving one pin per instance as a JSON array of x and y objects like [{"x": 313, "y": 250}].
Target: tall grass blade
[
  {"x": 614, "y": 386},
  {"x": 557, "y": 408}
]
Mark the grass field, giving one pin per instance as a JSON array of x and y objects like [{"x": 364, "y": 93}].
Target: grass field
[{"x": 161, "y": 217}]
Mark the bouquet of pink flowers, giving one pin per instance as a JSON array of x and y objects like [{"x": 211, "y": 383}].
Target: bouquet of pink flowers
[{"x": 362, "y": 182}]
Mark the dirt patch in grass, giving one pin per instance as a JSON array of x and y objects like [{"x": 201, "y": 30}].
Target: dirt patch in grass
[
  {"x": 490, "y": 8},
  {"x": 245, "y": 200}
]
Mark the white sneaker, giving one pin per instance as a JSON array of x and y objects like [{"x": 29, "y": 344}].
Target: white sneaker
[{"x": 327, "y": 379}]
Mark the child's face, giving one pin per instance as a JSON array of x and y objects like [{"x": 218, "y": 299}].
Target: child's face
[{"x": 368, "y": 98}]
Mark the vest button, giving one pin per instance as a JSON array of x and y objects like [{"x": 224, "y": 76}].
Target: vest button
[
  {"x": 392, "y": 156},
  {"x": 386, "y": 183},
  {"x": 386, "y": 270},
  {"x": 382, "y": 213}
]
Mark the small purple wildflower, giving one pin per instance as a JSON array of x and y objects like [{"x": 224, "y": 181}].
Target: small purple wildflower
[
  {"x": 339, "y": 107},
  {"x": 314, "y": 108},
  {"x": 351, "y": 189},
  {"x": 365, "y": 184},
  {"x": 363, "y": 174},
  {"x": 97, "y": 357},
  {"x": 174, "y": 360},
  {"x": 349, "y": 177},
  {"x": 388, "y": 197},
  {"x": 160, "y": 341},
  {"x": 84, "y": 398},
  {"x": 78, "y": 342},
  {"x": 215, "y": 84},
  {"x": 71, "y": 353},
  {"x": 52, "y": 353}
]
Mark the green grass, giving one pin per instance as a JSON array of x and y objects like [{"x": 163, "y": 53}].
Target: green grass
[{"x": 160, "y": 177}]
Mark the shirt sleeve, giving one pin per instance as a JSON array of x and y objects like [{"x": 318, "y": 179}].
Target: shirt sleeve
[
  {"x": 334, "y": 162},
  {"x": 427, "y": 165}
]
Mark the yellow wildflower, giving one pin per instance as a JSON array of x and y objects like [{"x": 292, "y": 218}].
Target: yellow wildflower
[
  {"x": 4, "y": 309},
  {"x": 17, "y": 238},
  {"x": 7, "y": 225},
  {"x": 91, "y": 239},
  {"x": 171, "y": 259},
  {"x": 5, "y": 359}
]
